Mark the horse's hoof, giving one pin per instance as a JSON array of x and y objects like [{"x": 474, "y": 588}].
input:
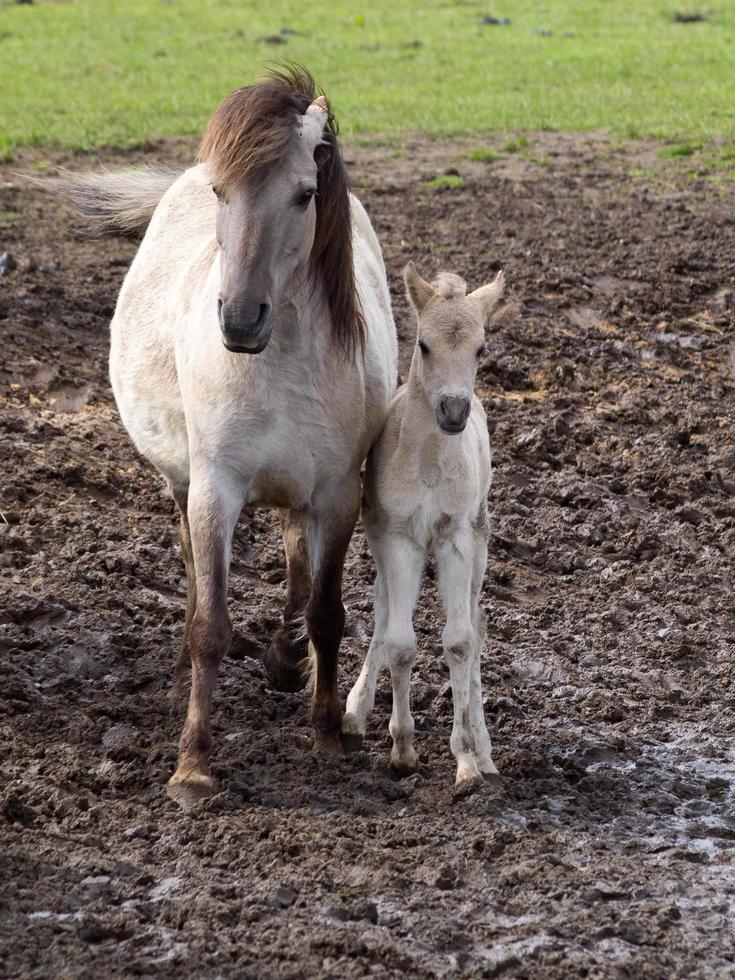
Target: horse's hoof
[
  {"x": 405, "y": 764},
  {"x": 189, "y": 788},
  {"x": 493, "y": 778},
  {"x": 285, "y": 664},
  {"x": 328, "y": 743}
]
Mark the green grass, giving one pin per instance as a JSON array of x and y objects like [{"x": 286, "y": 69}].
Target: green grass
[
  {"x": 680, "y": 150},
  {"x": 486, "y": 156},
  {"x": 444, "y": 182},
  {"x": 87, "y": 73}
]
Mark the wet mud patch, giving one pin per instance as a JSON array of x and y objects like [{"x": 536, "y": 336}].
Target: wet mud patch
[{"x": 607, "y": 849}]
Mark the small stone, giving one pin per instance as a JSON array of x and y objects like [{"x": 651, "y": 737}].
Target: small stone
[
  {"x": 283, "y": 897},
  {"x": 7, "y": 264},
  {"x": 489, "y": 21},
  {"x": 16, "y": 811},
  {"x": 447, "y": 879},
  {"x": 367, "y": 911}
]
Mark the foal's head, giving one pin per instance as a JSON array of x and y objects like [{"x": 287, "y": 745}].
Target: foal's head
[
  {"x": 283, "y": 208},
  {"x": 450, "y": 341}
]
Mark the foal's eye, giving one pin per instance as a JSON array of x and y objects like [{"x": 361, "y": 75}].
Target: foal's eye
[
  {"x": 481, "y": 351},
  {"x": 424, "y": 348},
  {"x": 305, "y": 196}
]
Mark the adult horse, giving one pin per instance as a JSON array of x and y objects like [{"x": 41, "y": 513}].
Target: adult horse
[{"x": 253, "y": 356}]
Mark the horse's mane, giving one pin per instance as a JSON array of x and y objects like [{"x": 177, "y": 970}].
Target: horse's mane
[{"x": 250, "y": 132}]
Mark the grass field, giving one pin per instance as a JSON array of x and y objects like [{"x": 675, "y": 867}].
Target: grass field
[{"x": 87, "y": 73}]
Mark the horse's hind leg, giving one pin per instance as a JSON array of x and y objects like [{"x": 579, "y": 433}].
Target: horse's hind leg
[
  {"x": 213, "y": 509},
  {"x": 455, "y": 566},
  {"x": 335, "y": 518},
  {"x": 183, "y": 661},
  {"x": 286, "y": 655},
  {"x": 483, "y": 745}
]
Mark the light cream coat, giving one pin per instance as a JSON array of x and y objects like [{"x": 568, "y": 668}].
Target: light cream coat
[{"x": 428, "y": 477}]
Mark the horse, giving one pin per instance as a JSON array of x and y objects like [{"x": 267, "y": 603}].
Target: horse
[
  {"x": 253, "y": 357},
  {"x": 426, "y": 486}
]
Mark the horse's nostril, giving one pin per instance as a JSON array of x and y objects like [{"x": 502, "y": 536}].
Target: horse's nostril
[
  {"x": 219, "y": 311},
  {"x": 263, "y": 313}
]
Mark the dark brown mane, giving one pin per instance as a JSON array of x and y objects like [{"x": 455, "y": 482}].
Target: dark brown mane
[{"x": 249, "y": 132}]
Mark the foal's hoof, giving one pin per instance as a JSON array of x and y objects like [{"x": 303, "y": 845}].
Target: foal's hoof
[
  {"x": 352, "y": 739},
  {"x": 189, "y": 787},
  {"x": 352, "y": 742},
  {"x": 467, "y": 787},
  {"x": 286, "y": 661},
  {"x": 404, "y": 763}
]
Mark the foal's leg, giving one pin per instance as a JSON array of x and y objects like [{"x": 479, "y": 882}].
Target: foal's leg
[
  {"x": 213, "y": 511},
  {"x": 284, "y": 661},
  {"x": 335, "y": 514},
  {"x": 455, "y": 565},
  {"x": 483, "y": 746},
  {"x": 183, "y": 661},
  {"x": 403, "y": 562},
  {"x": 361, "y": 699}
]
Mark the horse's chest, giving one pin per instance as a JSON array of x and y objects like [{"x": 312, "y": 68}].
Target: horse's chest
[{"x": 280, "y": 470}]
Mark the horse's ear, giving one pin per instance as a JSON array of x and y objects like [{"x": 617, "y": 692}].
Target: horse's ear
[
  {"x": 488, "y": 297},
  {"x": 418, "y": 290},
  {"x": 315, "y": 120}
]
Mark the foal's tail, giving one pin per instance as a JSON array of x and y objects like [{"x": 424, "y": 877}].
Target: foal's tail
[{"x": 120, "y": 203}]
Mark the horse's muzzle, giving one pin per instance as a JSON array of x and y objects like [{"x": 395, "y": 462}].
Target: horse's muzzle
[
  {"x": 452, "y": 413},
  {"x": 246, "y": 328}
]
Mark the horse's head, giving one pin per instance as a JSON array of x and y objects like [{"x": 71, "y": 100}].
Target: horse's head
[
  {"x": 450, "y": 341},
  {"x": 270, "y": 150}
]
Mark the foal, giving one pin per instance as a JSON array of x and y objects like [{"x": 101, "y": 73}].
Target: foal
[{"x": 426, "y": 488}]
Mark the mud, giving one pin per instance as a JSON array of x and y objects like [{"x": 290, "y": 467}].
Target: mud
[{"x": 608, "y": 850}]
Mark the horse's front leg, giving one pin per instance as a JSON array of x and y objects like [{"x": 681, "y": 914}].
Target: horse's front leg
[
  {"x": 287, "y": 653},
  {"x": 213, "y": 509},
  {"x": 183, "y": 661},
  {"x": 335, "y": 515}
]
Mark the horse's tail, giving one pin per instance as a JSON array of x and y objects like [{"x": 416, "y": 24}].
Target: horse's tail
[{"x": 120, "y": 203}]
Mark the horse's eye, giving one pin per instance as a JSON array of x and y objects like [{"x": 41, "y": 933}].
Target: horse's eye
[
  {"x": 481, "y": 351},
  {"x": 305, "y": 196},
  {"x": 217, "y": 191},
  {"x": 424, "y": 348}
]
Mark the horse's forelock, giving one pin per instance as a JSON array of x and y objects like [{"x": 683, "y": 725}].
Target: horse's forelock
[
  {"x": 450, "y": 286},
  {"x": 249, "y": 133}
]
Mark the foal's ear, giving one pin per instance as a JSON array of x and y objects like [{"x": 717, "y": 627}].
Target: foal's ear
[
  {"x": 418, "y": 290},
  {"x": 314, "y": 121},
  {"x": 488, "y": 297}
]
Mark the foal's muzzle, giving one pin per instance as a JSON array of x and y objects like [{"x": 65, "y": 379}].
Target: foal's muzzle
[
  {"x": 452, "y": 413},
  {"x": 246, "y": 327}
]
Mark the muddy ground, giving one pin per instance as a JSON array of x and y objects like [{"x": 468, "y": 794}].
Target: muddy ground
[{"x": 609, "y": 673}]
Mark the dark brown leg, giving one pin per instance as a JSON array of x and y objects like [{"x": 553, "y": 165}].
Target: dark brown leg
[
  {"x": 212, "y": 515},
  {"x": 288, "y": 650},
  {"x": 183, "y": 661},
  {"x": 325, "y": 614}
]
